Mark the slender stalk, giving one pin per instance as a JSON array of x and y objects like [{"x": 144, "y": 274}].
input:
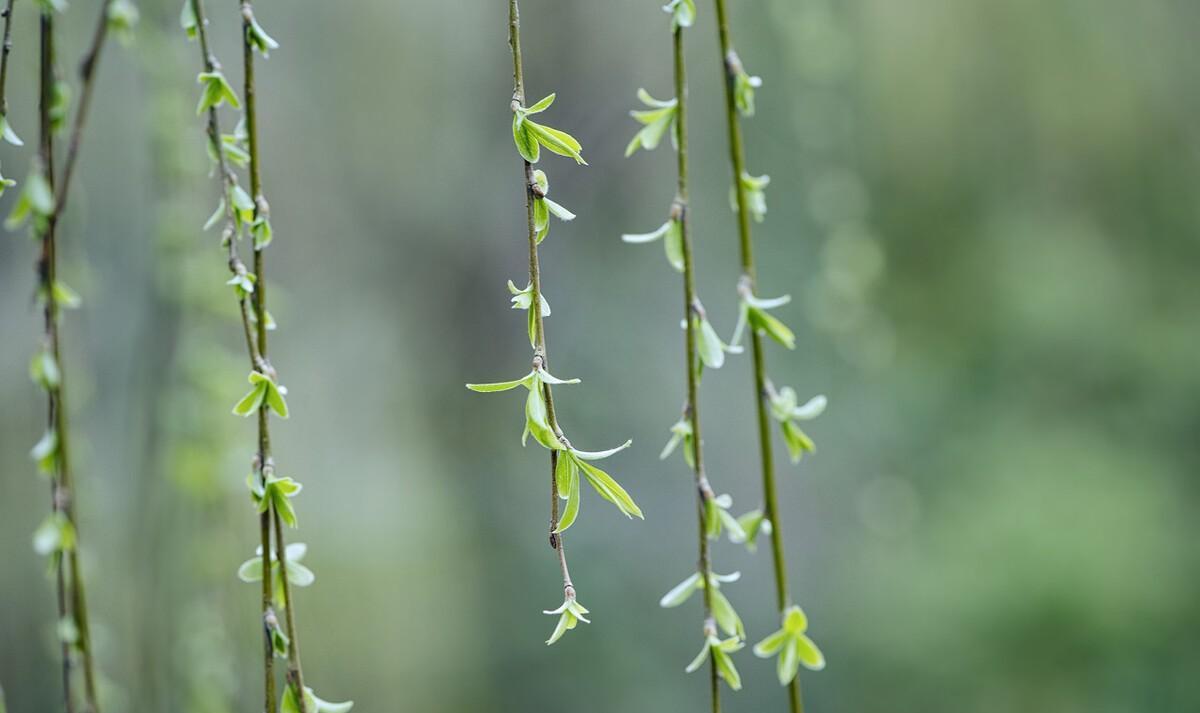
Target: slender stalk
[
  {"x": 540, "y": 355},
  {"x": 295, "y": 672},
  {"x": 72, "y": 600},
  {"x": 254, "y": 345},
  {"x": 737, "y": 159},
  {"x": 87, "y": 73},
  {"x": 5, "y": 49},
  {"x": 690, "y": 305}
]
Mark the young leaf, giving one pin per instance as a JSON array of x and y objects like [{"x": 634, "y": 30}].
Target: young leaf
[
  {"x": 502, "y": 385},
  {"x": 7, "y": 132},
  {"x": 569, "y": 615},
  {"x": 258, "y": 37},
  {"x": 681, "y": 592},
  {"x": 187, "y": 19},
  {"x": 215, "y": 92},
  {"x": 610, "y": 490},
  {"x": 527, "y": 144},
  {"x": 683, "y": 12},
  {"x": 571, "y": 511},
  {"x": 541, "y": 105}
]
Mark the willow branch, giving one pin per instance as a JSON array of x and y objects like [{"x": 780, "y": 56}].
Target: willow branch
[
  {"x": 5, "y": 49},
  {"x": 87, "y": 74},
  {"x": 737, "y": 159},
  {"x": 230, "y": 237},
  {"x": 71, "y": 600},
  {"x": 690, "y": 304},
  {"x": 295, "y": 672},
  {"x": 535, "y": 279}
]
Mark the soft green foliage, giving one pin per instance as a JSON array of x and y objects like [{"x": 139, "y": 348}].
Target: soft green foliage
[
  {"x": 709, "y": 344},
  {"x": 523, "y": 299},
  {"x": 313, "y": 704},
  {"x": 571, "y": 463},
  {"x": 753, "y": 312},
  {"x": 569, "y": 615},
  {"x": 755, "y": 190},
  {"x": 36, "y": 200},
  {"x": 44, "y": 371},
  {"x": 717, "y": 518},
  {"x": 785, "y": 410},
  {"x": 216, "y": 91},
  {"x": 123, "y": 16},
  {"x": 258, "y": 37},
  {"x": 263, "y": 390},
  {"x": 52, "y": 6},
  {"x": 274, "y": 492},
  {"x": 655, "y": 121},
  {"x": 681, "y": 432},
  {"x": 536, "y": 418},
  {"x": 543, "y": 207},
  {"x": 744, "y": 85},
  {"x": 45, "y": 452},
  {"x": 722, "y": 611},
  {"x": 792, "y": 645},
  {"x": 720, "y": 650},
  {"x": 187, "y": 19},
  {"x": 753, "y": 524},
  {"x": 529, "y": 135},
  {"x": 7, "y": 132},
  {"x": 56, "y": 534},
  {"x": 252, "y": 570},
  {"x": 672, "y": 234},
  {"x": 683, "y": 12},
  {"x": 60, "y": 105}
]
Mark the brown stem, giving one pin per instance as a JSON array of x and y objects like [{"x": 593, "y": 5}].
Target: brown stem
[
  {"x": 5, "y": 49},
  {"x": 703, "y": 490},
  {"x": 737, "y": 160},
  {"x": 535, "y": 279},
  {"x": 87, "y": 74},
  {"x": 254, "y": 336}
]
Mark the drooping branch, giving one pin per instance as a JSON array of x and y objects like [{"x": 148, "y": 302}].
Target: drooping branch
[
  {"x": 731, "y": 69},
  {"x": 703, "y": 490},
  {"x": 5, "y": 50},
  {"x": 230, "y": 236},
  {"x": 540, "y": 357},
  {"x": 87, "y": 76}
]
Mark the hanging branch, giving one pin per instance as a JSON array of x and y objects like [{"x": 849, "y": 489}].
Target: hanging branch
[
  {"x": 275, "y": 568},
  {"x": 58, "y": 536},
  {"x": 567, "y": 463},
  {"x": 748, "y": 199},
  {"x": 702, "y": 348}
]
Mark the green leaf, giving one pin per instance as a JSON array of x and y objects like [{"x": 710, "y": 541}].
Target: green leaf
[
  {"x": 743, "y": 91},
  {"x": 755, "y": 195},
  {"x": 251, "y": 570},
  {"x": 600, "y": 455},
  {"x": 541, "y": 105},
  {"x": 252, "y": 401},
  {"x": 702, "y": 656},
  {"x": 55, "y": 534},
  {"x": 215, "y": 92},
  {"x": 681, "y": 592},
  {"x": 274, "y": 393},
  {"x": 569, "y": 615},
  {"x": 771, "y": 645},
  {"x": 763, "y": 321},
  {"x": 216, "y": 216},
  {"x": 45, "y": 451},
  {"x": 708, "y": 344},
  {"x": 725, "y": 667},
  {"x": 299, "y": 575},
  {"x": 64, "y": 296},
  {"x": 559, "y": 142},
  {"x": 558, "y": 211},
  {"x": 752, "y": 524},
  {"x": 571, "y": 511},
  {"x": 187, "y": 19},
  {"x": 541, "y": 219},
  {"x": 261, "y": 230},
  {"x": 681, "y": 432},
  {"x": 258, "y": 37},
  {"x": 797, "y": 441},
  {"x": 44, "y": 371},
  {"x": 536, "y": 418},
  {"x": 656, "y": 121},
  {"x": 526, "y": 141},
  {"x": 673, "y": 244},
  {"x": 809, "y": 654},
  {"x": 647, "y": 237},
  {"x": 122, "y": 18},
  {"x": 503, "y": 385},
  {"x": 7, "y": 132},
  {"x": 280, "y": 491},
  {"x": 725, "y": 615},
  {"x": 610, "y": 490},
  {"x": 683, "y": 12}
]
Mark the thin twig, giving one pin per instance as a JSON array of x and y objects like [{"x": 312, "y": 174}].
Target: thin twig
[
  {"x": 230, "y": 237},
  {"x": 703, "y": 490},
  {"x": 737, "y": 160},
  {"x": 71, "y": 593},
  {"x": 295, "y": 673},
  {"x": 5, "y": 49},
  {"x": 535, "y": 279},
  {"x": 87, "y": 74}
]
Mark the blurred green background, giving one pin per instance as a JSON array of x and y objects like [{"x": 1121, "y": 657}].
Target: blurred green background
[{"x": 985, "y": 211}]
